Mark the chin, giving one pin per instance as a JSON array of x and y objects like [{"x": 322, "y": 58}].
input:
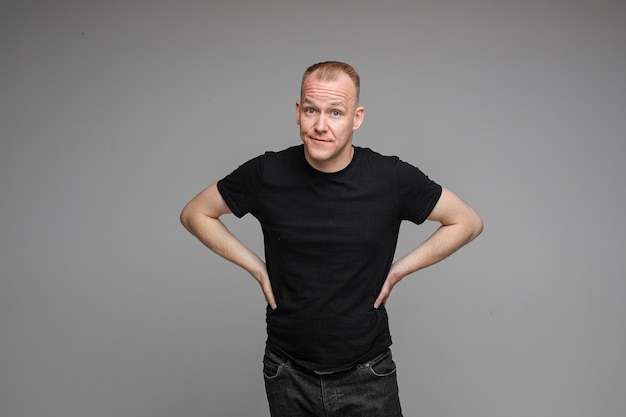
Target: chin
[{"x": 316, "y": 155}]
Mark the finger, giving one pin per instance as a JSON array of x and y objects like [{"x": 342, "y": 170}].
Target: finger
[
  {"x": 382, "y": 297},
  {"x": 269, "y": 296},
  {"x": 271, "y": 301}
]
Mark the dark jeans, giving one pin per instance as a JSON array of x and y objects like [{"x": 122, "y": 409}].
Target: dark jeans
[{"x": 367, "y": 390}]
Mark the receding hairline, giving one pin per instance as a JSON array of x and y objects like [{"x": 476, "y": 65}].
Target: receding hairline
[{"x": 330, "y": 71}]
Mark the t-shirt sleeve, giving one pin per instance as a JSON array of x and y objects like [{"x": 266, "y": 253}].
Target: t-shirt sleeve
[
  {"x": 417, "y": 193},
  {"x": 240, "y": 188}
]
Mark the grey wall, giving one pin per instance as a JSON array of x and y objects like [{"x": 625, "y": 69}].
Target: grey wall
[{"x": 114, "y": 113}]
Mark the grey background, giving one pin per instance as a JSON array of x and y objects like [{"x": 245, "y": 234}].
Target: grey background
[{"x": 115, "y": 113}]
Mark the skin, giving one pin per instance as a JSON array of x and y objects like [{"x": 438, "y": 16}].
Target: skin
[{"x": 328, "y": 114}]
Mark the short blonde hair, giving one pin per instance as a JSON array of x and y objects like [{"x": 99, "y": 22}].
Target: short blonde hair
[{"x": 329, "y": 71}]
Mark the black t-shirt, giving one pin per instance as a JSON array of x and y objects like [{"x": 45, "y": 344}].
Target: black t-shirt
[{"x": 329, "y": 239}]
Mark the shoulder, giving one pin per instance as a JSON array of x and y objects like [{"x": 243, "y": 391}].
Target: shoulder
[
  {"x": 288, "y": 155},
  {"x": 289, "y": 158},
  {"x": 374, "y": 160},
  {"x": 392, "y": 167},
  {"x": 290, "y": 152},
  {"x": 272, "y": 157}
]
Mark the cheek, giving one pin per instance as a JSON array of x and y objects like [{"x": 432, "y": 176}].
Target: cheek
[
  {"x": 304, "y": 126},
  {"x": 346, "y": 128}
]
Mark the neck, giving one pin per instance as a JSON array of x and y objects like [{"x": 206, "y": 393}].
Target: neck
[{"x": 332, "y": 165}]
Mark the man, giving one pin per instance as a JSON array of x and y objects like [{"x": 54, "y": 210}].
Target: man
[{"x": 330, "y": 214}]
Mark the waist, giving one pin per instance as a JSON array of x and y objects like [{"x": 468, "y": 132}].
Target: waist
[
  {"x": 329, "y": 344},
  {"x": 282, "y": 357}
]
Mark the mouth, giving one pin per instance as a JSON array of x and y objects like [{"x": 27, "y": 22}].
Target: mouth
[{"x": 320, "y": 140}]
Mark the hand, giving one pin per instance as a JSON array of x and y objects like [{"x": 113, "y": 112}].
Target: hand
[
  {"x": 201, "y": 217},
  {"x": 385, "y": 291},
  {"x": 268, "y": 293}
]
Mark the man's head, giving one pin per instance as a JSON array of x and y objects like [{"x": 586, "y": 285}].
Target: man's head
[{"x": 328, "y": 113}]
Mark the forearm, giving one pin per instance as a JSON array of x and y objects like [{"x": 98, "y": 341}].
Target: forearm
[
  {"x": 216, "y": 236},
  {"x": 446, "y": 240},
  {"x": 459, "y": 225},
  {"x": 201, "y": 218}
]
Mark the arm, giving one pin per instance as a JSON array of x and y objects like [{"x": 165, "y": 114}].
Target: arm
[
  {"x": 459, "y": 225},
  {"x": 201, "y": 218}
]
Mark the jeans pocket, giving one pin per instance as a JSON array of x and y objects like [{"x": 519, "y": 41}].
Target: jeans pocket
[
  {"x": 383, "y": 365},
  {"x": 272, "y": 364}
]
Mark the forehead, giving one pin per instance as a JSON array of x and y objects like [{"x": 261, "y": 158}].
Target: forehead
[{"x": 340, "y": 89}]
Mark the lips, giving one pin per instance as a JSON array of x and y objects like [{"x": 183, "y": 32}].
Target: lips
[{"x": 321, "y": 140}]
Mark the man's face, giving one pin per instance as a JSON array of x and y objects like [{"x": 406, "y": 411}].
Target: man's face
[{"x": 328, "y": 114}]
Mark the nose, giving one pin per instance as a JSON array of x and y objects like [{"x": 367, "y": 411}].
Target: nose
[{"x": 321, "y": 124}]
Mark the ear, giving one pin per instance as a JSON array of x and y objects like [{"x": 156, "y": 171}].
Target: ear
[
  {"x": 358, "y": 118},
  {"x": 298, "y": 112}
]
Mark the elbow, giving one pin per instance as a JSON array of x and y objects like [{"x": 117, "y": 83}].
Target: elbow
[
  {"x": 194, "y": 219},
  {"x": 186, "y": 217},
  {"x": 477, "y": 226},
  {"x": 472, "y": 225}
]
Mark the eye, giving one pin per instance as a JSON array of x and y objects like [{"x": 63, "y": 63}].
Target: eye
[
  {"x": 336, "y": 113},
  {"x": 309, "y": 110}
]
